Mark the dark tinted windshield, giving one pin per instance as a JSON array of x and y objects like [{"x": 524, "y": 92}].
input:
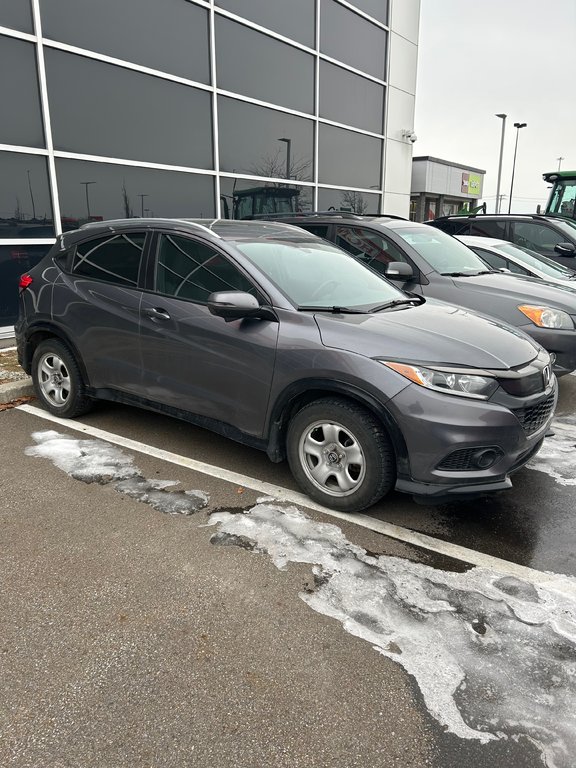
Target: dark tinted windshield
[
  {"x": 443, "y": 252},
  {"x": 313, "y": 274}
]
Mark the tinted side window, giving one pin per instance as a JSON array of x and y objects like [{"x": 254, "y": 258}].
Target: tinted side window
[
  {"x": 369, "y": 247},
  {"x": 320, "y": 230},
  {"x": 188, "y": 269},
  {"x": 492, "y": 259},
  {"x": 453, "y": 227},
  {"x": 536, "y": 236},
  {"x": 114, "y": 259},
  {"x": 495, "y": 229}
]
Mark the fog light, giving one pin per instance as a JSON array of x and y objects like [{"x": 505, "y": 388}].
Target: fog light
[{"x": 486, "y": 458}]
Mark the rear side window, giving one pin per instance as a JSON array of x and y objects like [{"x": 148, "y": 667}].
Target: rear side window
[
  {"x": 495, "y": 229},
  {"x": 452, "y": 227},
  {"x": 114, "y": 259},
  {"x": 500, "y": 262},
  {"x": 188, "y": 269}
]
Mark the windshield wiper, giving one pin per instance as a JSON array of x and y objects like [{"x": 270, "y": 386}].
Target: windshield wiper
[
  {"x": 397, "y": 303},
  {"x": 334, "y": 310},
  {"x": 469, "y": 274}
]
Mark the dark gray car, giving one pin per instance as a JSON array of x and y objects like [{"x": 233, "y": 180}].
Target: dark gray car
[
  {"x": 426, "y": 261},
  {"x": 272, "y": 337}
]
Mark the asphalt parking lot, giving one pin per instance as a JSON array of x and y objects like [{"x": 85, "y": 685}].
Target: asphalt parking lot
[{"x": 147, "y": 624}]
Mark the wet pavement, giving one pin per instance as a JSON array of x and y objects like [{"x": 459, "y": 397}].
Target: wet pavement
[{"x": 135, "y": 634}]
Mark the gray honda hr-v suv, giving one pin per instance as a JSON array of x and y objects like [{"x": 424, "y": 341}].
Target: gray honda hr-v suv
[{"x": 271, "y": 336}]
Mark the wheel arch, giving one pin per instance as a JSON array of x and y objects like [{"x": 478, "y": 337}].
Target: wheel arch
[
  {"x": 299, "y": 394},
  {"x": 41, "y": 332}
]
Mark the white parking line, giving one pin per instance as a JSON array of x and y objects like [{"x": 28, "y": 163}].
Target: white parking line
[{"x": 558, "y": 582}]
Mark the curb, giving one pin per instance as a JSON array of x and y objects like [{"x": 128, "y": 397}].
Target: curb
[{"x": 12, "y": 390}]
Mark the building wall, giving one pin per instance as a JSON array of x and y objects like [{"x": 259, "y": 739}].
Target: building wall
[{"x": 168, "y": 107}]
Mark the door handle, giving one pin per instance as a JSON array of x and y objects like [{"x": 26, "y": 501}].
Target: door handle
[{"x": 156, "y": 313}]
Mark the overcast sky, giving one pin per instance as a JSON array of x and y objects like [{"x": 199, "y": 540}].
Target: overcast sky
[{"x": 481, "y": 58}]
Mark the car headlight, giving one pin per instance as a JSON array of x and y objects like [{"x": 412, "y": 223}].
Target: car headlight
[
  {"x": 546, "y": 317},
  {"x": 449, "y": 382}
]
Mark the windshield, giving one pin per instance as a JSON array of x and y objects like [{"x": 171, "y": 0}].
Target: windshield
[
  {"x": 443, "y": 252},
  {"x": 563, "y": 198},
  {"x": 318, "y": 274},
  {"x": 532, "y": 259}
]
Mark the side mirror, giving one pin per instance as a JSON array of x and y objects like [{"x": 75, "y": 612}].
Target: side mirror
[
  {"x": 236, "y": 305},
  {"x": 399, "y": 270},
  {"x": 565, "y": 249}
]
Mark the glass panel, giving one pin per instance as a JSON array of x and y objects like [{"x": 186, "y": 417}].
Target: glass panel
[
  {"x": 264, "y": 142},
  {"x": 294, "y": 19},
  {"x": 241, "y": 199},
  {"x": 535, "y": 236},
  {"x": 126, "y": 114},
  {"x": 15, "y": 260},
  {"x": 348, "y": 158},
  {"x": 348, "y": 37},
  {"x": 25, "y": 203},
  {"x": 491, "y": 258},
  {"x": 378, "y": 9},
  {"x": 96, "y": 191},
  {"x": 16, "y": 14},
  {"x": 286, "y": 79},
  {"x": 114, "y": 259},
  {"x": 191, "y": 270},
  {"x": 21, "y": 116},
  {"x": 171, "y": 36},
  {"x": 369, "y": 247},
  {"x": 488, "y": 228},
  {"x": 348, "y": 98},
  {"x": 345, "y": 200}
]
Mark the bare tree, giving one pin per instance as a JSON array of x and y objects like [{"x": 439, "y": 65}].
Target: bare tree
[
  {"x": 274, "y": 165},
  {"x": 355, "y": 201},
  {"x": 128, "y": 212},
  {"x": 18, "y": 215}
]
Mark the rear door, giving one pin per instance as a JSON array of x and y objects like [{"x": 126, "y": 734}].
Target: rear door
[
  {"x": 196, "y": 361},
  {"x": 97, "y": 303}
]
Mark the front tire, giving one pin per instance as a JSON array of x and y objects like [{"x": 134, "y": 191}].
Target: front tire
[
  {"x": 57, "y": 380},
  {"x": 340, "y": 454}
]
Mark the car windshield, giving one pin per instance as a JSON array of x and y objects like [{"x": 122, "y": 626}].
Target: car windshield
[
  {"x": 532, "y": 259},
  {"x": 318, "y": 274},
  {"x": 443, "y": 252}
]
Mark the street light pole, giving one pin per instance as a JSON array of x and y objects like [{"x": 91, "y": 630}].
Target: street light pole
[
  {"x": 86, "y": 185},
  {"x": 142, "y": 203},
  {"x": 503, "y": 118},
  {"x": 559, "y": 161},
  {"x": 288, "y": 143},
  {"x": 517, "y": 126}
]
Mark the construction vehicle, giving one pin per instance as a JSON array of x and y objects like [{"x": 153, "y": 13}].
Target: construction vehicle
[
  {"x": 562, "y": 195},
  {"x": 256, "y": 201}
]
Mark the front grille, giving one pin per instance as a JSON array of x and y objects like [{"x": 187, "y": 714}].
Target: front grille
[
  {"x": 533, "y": 417},
  {"x": 525, "y": 386}
]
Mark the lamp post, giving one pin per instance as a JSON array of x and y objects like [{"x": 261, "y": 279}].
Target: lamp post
[
  {"x": 503, "y": 118},
  {"x": 32, "y": 196},
  {"x": 559, "y": 161},
  {"x": 517, "y": 126},
  {"x": 86, "y": 185},
  {"x": 142, "y": 203},
  {"x": 288, "y": 143}
]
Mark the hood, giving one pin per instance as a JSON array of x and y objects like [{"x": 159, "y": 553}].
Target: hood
[
  {"x": 521, "y": 289},
  {"x": 429, "y": 333}
]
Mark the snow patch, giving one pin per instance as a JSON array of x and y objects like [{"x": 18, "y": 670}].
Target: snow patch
[
  {"x": 556, "y": 456},
  {"x": 94, "y": 461},
  {"x": 494, "y": 656}
]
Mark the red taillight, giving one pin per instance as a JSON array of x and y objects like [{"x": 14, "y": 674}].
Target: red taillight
[{"x": 25, "y": 281}]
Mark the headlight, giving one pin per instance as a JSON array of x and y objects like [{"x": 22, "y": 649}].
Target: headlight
[
  {"x": 449, "y": 382},
  {"x": 545, "y": 317}
]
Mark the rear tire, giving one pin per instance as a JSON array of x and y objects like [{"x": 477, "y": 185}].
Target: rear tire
[
  {"x": 340, "y": 454},
  {"x": 57, "y": 380}
]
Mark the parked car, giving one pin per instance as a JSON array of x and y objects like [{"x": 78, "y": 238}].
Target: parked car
[
  {"x": 548, "y": 235},
  {"x": 500, "y": 254},
  {"x": 279, "y": 340},
  {"x": 428, "y": 262}
]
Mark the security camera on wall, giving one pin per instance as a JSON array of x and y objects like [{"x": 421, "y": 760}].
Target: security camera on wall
[{"x": 409, "y": 134}]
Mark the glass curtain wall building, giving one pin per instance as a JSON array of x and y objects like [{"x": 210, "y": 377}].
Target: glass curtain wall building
[{"x": 188, "y": 108}]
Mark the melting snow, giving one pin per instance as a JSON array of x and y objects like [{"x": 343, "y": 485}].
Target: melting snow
[
  {"x": 493, "y": 656},
  {"x": 94, "y": 461},
  {"x": 556, "y": 456}
]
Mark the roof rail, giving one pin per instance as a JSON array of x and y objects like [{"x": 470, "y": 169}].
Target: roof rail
[
  {"x": 310, "y": 214},
  {"x": 113, "y": 223}
]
